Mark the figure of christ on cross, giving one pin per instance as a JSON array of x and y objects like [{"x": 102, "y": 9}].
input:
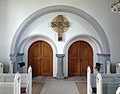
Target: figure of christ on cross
[{"x": 60, "y": 24}]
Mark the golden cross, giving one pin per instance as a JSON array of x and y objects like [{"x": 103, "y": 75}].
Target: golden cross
[{"x": 60, "y": 24}]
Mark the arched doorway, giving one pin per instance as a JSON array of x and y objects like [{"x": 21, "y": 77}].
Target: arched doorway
[
  {"x": 80, "y": 55},
  {"x": 40, "y": 57}
]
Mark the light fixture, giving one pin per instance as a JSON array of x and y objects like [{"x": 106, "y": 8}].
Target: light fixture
[{"x": 116, "y": 6}]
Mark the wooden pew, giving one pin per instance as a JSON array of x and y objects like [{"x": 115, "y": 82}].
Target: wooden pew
[
  {"x": 110, "y": 82},
  {"x": 26, "y": 80},
  {"x": 11, "y": 87}
]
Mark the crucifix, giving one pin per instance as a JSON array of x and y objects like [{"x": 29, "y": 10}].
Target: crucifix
[{"x": 60, "y": 24}]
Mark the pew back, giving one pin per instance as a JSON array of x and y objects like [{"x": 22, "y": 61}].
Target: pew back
[
  {"x": 11, "y": 87},
  {"x": 110, "y": 82},
  {"x": 26, "y": 79},
  {"x": 107, "y": 78}
]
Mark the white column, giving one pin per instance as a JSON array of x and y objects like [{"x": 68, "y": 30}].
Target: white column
[
  {"x": 118, "y": 90},
  {"x": 108, "y": 67},
  {"x": 17, "y": 84},
  {"x": 30, "y": 79},
  {"x": 99, "y": 84},
  {"x": 89, "y": 88}
]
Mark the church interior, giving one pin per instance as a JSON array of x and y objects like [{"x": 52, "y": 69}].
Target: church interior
[{"x": 59, "y": 46}]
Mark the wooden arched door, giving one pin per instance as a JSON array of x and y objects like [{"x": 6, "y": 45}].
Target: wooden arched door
[
  {"x": 40, "y": 57},
  {"x": 80, "y": 55}
]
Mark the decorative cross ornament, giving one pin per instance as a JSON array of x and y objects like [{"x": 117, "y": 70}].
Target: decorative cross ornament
[{"x": 60, "y": 24}]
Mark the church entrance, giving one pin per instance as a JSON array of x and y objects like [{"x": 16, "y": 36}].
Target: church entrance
[
  {"x": 40, "y": 57},
  {"x": 80, "y": 55}
]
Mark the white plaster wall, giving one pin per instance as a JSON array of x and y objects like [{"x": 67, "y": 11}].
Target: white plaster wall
[
  {"x": 14, "y": 12},
  {"x": 43, "y": 26}
]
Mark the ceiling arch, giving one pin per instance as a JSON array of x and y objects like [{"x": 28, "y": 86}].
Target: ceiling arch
[{"x": 59, "y": 8}]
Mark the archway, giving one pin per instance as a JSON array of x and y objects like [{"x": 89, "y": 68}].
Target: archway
[
  {"x": 59, "y": 8},
  {"x": 94, "y": 43},
  {"x": 80, "y": 56},
  {"x": 104, "y": 45},
  {"x": 40, "y": 57},
  {"x": 25, "y": 44}
]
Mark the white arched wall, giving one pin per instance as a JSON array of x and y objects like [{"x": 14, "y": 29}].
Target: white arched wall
[
  {"x": 59, "y": 8},
  {"x": 17, "y": 45},
  {"x": 25, "y": 44},
  {"x": 89, "y": 39}
]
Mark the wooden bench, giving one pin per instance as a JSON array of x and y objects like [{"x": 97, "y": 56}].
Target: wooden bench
[
  {"x": 110, "y": 82},
  {"x": 26, "y": 80},
  {"x": 11, "y": 87}
]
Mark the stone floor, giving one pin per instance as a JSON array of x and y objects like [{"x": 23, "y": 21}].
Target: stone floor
[
  {"x": 60, "y": 87},
  {"x": 50, "y": 85}
]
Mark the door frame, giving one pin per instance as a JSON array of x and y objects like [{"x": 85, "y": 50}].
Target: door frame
[
  {"x": 91, "y": 49},
  {"x": 82, "y": 37},
  {"x": 31, "y": 39},
  {"x": 42, "y": 53}
]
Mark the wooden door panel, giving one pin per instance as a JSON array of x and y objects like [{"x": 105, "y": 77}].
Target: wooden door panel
[
  {"x": 89, "y": 55},
  {"x": 47, "y": 59},
  {"x": 73, "y": 67},
  {"x": 84, "y": 65},
  {"x": 83, "y": 53},
  {"x": 46, "y": 70},
  {"x": 40, "y": 58},
  {"x": 35, "y": 64},
  {"x": 46, "y": 50},
  {"x": 73, "y": 52}
]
